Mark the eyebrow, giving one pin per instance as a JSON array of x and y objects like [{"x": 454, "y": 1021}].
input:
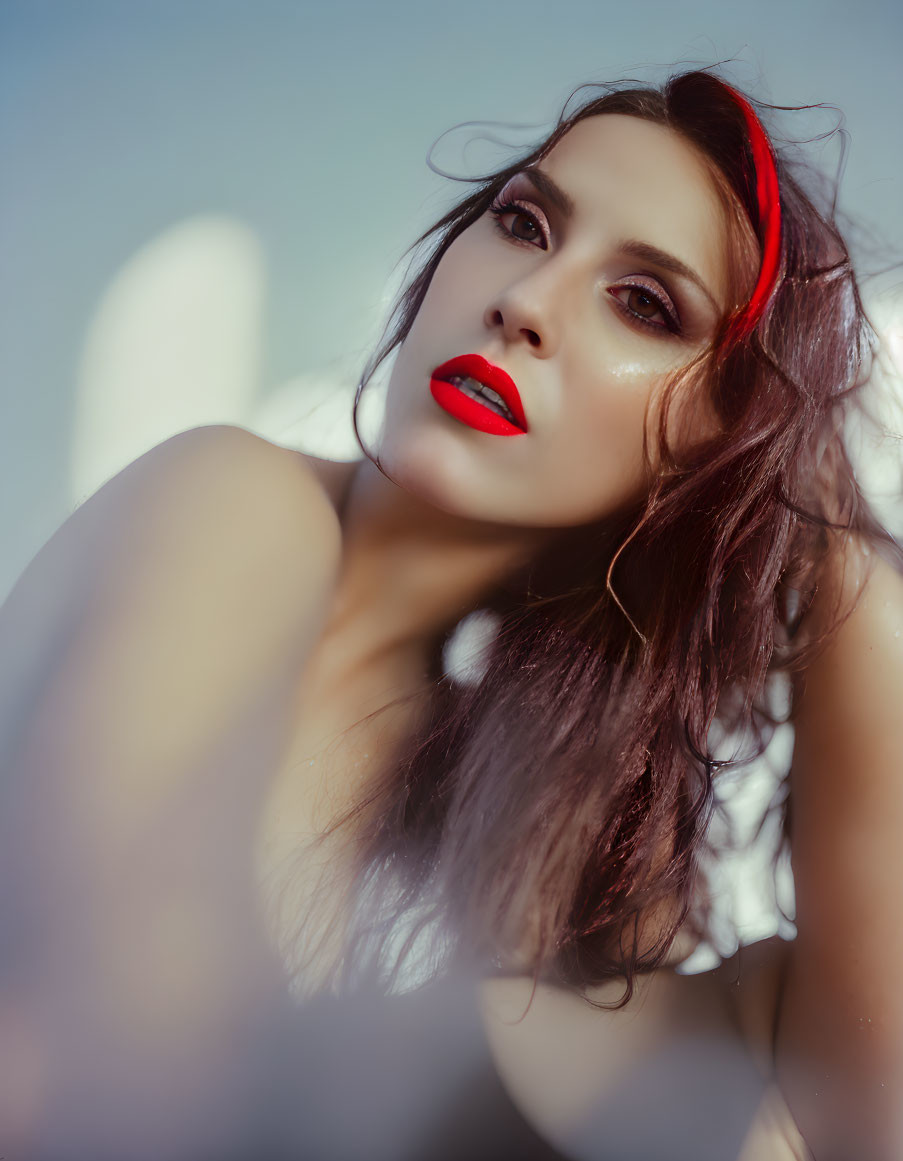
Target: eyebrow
[
  {"x": 644, "y": 251},
  {"x": 563, "y": 202}
]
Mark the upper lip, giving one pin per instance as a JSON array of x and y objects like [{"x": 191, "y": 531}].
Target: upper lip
[{"x": 476, "y": 367}]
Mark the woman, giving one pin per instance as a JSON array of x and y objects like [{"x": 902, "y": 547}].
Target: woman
[{"x": 615, "y": 422}]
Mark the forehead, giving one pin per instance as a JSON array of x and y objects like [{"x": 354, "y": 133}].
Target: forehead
[{"x": 637, "y": 180}]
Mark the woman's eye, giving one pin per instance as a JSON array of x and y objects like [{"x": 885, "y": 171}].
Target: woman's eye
[
  {"x": 647, "y": 308},
  {"x": 524, "y": 226},
  {"x": 514, "y": 221}
]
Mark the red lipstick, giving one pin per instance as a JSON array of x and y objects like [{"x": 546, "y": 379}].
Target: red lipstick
[{"x": 447, "y": 386}]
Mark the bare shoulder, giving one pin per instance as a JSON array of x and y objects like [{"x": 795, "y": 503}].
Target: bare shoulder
[
  {"x": 226, "y": 483},
  {"x": 215, "y": 493},
  {"x": 853, "y": 686},
  {"x": 189, "y": 583},
  {"x": 839, "y": 1052}
]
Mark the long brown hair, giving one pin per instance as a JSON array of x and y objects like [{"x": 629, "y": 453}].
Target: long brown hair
[{"x": 551, "y": 816}]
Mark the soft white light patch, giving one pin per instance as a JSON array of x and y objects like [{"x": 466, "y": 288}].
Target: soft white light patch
[
  {"x": 748, "y": 891},
  {"x": 175, "y": 343},
  {"x": 313, "y": 412},
  {"x": 877, "y": 447},
  {"x": 465, "y": 654}
]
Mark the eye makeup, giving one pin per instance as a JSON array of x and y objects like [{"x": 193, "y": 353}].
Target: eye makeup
[
  {"x": 652, "y": 291},
  {"x": 528, "y": 225},
  {"x": 508, "y": 202}
]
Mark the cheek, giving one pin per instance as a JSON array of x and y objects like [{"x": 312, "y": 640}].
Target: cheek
[
  {"x": 447, "y": 311},
  {"x": 593, "y": 461},
  {"x": 620, "y": 403},
  {"x": 597, "y": 462},
  {"x": 445, "y": 324},
  {"x": 626, "y": 386},
  {"x": 621, "y": 418},
  {"x": 452, "y": 289}
]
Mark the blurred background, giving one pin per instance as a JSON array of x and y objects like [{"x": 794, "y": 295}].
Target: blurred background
[{"x": 204, "y": 203}]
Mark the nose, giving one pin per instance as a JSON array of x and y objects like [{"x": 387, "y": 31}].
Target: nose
[{"x": 526, "y": 311}]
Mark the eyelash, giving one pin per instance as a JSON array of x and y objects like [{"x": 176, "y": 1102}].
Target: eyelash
[
  {"x": 671, "y": 325},
  {"x": 500, "y": 209}
]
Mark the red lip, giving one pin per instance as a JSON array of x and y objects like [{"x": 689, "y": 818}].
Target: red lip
[{"x": 469, "y": 410}]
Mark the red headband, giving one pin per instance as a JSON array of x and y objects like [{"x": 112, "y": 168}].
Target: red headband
[{"x": 768, "y": 199}]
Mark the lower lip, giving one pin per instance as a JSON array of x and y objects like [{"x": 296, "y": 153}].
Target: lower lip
[{"x": 467, "y": 410}]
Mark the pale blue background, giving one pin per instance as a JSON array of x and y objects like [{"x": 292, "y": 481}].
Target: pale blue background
[{"x": 308, "y": 123}]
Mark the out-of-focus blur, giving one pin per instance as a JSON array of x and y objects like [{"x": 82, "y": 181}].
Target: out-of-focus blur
[{"x": 203, "y": 208}]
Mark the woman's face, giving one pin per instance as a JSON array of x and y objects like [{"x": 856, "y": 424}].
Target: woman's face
[{"x": 587, "y": 284}]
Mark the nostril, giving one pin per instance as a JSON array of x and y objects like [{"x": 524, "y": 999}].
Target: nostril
[{"x": 508, "y": 323}]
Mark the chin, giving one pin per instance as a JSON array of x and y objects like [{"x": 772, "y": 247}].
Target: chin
[
  {"x": 436, "y": 471},
  {"x": 443, "y": 472}
]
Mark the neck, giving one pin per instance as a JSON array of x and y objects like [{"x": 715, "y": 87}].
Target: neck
[{"x": 410, "y": 571}]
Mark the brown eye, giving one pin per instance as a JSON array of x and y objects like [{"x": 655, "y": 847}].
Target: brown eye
[
  {"x": 650, "y": 308},
  {"x": 643, "y": 304},
  {"x": 518, "y": 224},
  {"x": 524, "y": 227}
]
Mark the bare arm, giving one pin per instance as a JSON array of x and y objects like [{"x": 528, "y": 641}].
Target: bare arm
[
  {"x": 839, "y": 1048},
  {"x": 148, "y": 655}
]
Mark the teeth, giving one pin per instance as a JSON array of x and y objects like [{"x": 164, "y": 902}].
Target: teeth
[{"x": 477, "y": 390}]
